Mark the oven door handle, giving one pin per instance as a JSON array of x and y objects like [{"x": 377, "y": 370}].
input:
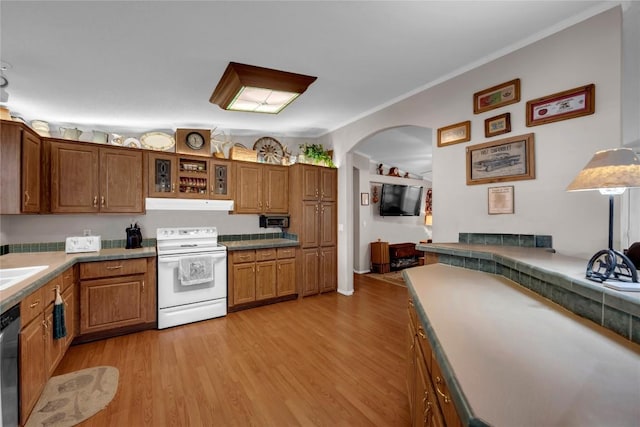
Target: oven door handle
[{"x": 166, "y": 259}]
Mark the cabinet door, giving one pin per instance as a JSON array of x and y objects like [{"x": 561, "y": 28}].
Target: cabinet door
[
  {"x": 328, "y": 269},
  {"x": 32, "y": 366},
  {"x": 248, "y": 188},
  {"x": 328, "y": 224},
  {"x": 74, "y": 178},
  {"x": 411, "y": 369},
  {"x": 276, "y": 189},
  {"x": 244, "y": 283},
  {"x": 310, "y": 264},
  {"x": 30, "y": 173},
  {"x": 54, "y": 348},
  {"x": 309, "y": 237},
  {"x": 222, "y": 180},
  {"x": 265, "y": 280},
  {"x": 286, "y": 277},
  {"x": 328, "y": 184},
  {"x": 111, "y": 303},
  {"x": 310, "y": 183},
  {"x": 162, "y": 175},
  {"x": 70, "y": 314},
  {"x": 120, "y": 180}
]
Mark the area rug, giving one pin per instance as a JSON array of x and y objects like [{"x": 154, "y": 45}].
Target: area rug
[
  {"x": 394, "y": 277},
  {"x": 71, "y": 398}
]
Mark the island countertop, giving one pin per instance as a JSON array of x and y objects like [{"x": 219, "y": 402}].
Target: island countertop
[
  {"x": 57, "y": 263},
  {"x": 512, "y": 357}
]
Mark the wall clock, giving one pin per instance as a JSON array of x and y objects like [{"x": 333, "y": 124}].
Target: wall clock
[
  {"x": 194, "y": 142},
  {"x": 270, "y": 150}
]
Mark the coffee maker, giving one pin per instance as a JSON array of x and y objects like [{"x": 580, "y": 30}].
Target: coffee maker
[{"x": 134, "y": 237}]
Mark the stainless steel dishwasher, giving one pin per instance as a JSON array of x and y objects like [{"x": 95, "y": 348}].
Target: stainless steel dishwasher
[{"x": 9, "y": 353}]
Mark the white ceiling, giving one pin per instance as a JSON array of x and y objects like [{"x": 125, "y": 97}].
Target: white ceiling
[{"x": 136, "y": 66}]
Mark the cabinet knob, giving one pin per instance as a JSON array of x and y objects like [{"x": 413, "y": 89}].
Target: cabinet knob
[
  {"x": 143, "y": 285},
  {"x": 26, "y": 197},
  {"x": 95, "y": 201},
  {"x": 102, "y": 201},
  {"x": 173, "y": 187}
]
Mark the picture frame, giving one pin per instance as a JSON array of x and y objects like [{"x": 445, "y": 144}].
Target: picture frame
[
  {"x": 454, "y": 134},
  {"x": 500, "y": 200},
  {"x": 497, "y": 125},
  {"x": 496, "y": 96},
  {"x": 364, "y": 199},
  {"x": 508, "y": 159},
  {"x": 568, "y": 104}
]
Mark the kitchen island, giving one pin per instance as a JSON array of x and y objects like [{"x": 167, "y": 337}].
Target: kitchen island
[{"x": 511, "y": 357}]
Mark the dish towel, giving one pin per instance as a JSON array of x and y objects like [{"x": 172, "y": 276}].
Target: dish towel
[
  {"x": 194, "y": 270},
  {"x": 59, "y": 326}
]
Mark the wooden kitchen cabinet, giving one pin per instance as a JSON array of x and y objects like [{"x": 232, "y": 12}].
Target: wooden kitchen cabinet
[
  {"x": 86, "y": 178},
  {"x": 260, "y": 275},
  {"x": 314, "y": 217},
  {"x": 20, "y": 169},
  {"x": 163, "y": 175},
  {"x": 222, "y": 179},
  {"x": 116, "y": 297},
  {"x": 261, "y": 188},
  {"x": 40, "y": 353}
]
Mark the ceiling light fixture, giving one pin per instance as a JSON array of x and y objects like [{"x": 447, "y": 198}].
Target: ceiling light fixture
[{"x": 256, "y": 89}]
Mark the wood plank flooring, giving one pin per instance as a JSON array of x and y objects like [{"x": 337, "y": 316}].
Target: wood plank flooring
[{"x": 327, "y": 360}]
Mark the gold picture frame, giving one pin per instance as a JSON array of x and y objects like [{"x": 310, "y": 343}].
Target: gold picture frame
[
  {"x": 497, "y": 125},
  {"x": 496, "y": 96},
  {"x": 564, "y": 105},
  {"x": 454, "y": 134},
  {"x": 508, "y": 159}
]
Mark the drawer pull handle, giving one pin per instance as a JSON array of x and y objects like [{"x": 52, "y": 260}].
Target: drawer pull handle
[
  {"x": 115, "y": 267},
  {"x": 45, "y": 324},
  {"x": 143, "y": 285},
  {"x": 95, "y": 201},
  {"x": 34, "y": 304},
  {"x": 444, "y": 396},
  {"x": 102, "y": 201},
  {"x": 421, "y": 333}
]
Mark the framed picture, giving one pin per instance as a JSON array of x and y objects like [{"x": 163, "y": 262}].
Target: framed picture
[
  {"x": 496, "y": 96},
  {"x": 509, "y": 159},
  {"x": 364, "y": 199},
  {"x": 565, "y": 105},
  {"x": 500, "y": 200},
  {"x": 454, "y": 134},
  {"x": 497, "y": 125}
]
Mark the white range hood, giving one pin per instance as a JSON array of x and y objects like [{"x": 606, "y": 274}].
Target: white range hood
[{"x": 160, "y": 204}]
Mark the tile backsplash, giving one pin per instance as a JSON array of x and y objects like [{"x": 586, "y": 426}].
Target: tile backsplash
[{"x": 495, "y": 239}]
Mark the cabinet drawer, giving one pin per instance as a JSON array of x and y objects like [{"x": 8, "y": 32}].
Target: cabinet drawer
[
  {"x": 49, "y": 290},
  {"x": 68, "y": 278},
  {"x": 121, "y": 267},
  {"x": 265, "y": 254},
  {"x": 239, "y": 257},
  {"x": 444, "y": 396},
  {"x": 32, "y": 306},
  {"x": 286, "y": 253}
]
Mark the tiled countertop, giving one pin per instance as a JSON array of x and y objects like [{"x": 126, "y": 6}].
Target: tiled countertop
[
  {"x": 58, "y": 262},
  {"x": 242, "y": 245},
  {"x": 512, "y": 357}
]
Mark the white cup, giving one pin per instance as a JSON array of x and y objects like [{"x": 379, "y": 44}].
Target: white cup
[{"x": 100, "y": 137}]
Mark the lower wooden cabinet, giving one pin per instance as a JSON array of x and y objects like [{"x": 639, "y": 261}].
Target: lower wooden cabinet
[
  {"x": 40, "y": 353},
  {"x": 260, "y": 275},
  {"x": 319, "y": 270},
  {"x": 117, "y": 296},
  {"x": 429, "y": 398}
]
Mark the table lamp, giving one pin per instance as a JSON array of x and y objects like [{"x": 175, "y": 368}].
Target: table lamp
[{"x": 611, "y": 172}]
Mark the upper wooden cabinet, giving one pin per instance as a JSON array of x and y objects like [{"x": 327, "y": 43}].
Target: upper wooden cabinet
[
  {"x": 89, "y": 178},
  {"x": 261, "y": 188},
  {"x": 318, "y": 183},
  {"x": 20, "y": 166}
]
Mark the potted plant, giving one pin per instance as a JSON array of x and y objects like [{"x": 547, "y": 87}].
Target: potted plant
[{"x": 316, "y": 154}]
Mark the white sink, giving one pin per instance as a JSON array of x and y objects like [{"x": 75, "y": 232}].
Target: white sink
[{"x": 11, "y": 276}]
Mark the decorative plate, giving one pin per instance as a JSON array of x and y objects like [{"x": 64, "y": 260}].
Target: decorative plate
[
  {"x": 158, "y": 141},
  {"x": 270, "y": 150},
  {"x": 131, "y": 142}
]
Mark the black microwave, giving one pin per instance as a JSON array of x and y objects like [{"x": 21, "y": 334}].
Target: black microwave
[{"x": 274, "y": 221}]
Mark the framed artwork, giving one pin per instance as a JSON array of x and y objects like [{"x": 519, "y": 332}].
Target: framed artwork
[
  {"x": 564, "y": 105},
  {"x": 364, "y": 199},
  {"x": 497, "y": 125},
  {"x": 454, "y": 134},
  {"x": 500, "y": 200},
  {"x": 496, "y": 96},
  {"x": 509, "y": 159}
]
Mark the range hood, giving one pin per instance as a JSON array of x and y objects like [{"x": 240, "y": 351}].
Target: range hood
[{"x": 160, "y": 204}]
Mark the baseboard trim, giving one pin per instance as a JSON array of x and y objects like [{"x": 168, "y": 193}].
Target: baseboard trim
[
  {"x": 361, "y": 271},
  {"x": 345, "y": 293}
]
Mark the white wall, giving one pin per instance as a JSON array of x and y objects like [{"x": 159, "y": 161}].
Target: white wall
[{"x": 588, "y": 52}]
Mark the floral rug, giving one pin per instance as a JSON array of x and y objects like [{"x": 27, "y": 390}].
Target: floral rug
[
  {"x": 394, "y": 277},
  {"x": 71, "y": 398}
]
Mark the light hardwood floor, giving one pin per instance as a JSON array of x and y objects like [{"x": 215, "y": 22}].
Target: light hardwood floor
[{"x": 327, "y": 360}]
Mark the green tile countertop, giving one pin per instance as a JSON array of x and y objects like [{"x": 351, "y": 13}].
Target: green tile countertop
[
  {"x": 243, "y": 245},
  {"x": 511, "y": 357},
  {"x": 58, "y": 262}
]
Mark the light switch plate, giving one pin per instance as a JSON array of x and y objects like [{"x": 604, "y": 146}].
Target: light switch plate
[{"x": 83, "y": 244}]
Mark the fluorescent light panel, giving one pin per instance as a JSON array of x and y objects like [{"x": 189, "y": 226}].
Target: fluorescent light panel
[{"x": 259, "y": 100}]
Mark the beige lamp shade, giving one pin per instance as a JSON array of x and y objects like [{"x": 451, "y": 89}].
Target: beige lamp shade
[{"x": 618, "y": 168}]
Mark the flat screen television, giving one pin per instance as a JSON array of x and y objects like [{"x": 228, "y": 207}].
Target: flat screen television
[{"x": 400, "y": 200}]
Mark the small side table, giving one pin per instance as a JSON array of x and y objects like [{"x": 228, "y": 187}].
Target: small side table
[{"x": 380, "y": 257}]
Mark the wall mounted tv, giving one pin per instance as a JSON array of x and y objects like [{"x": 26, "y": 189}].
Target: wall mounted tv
[{"x": 400, "y": 200}]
